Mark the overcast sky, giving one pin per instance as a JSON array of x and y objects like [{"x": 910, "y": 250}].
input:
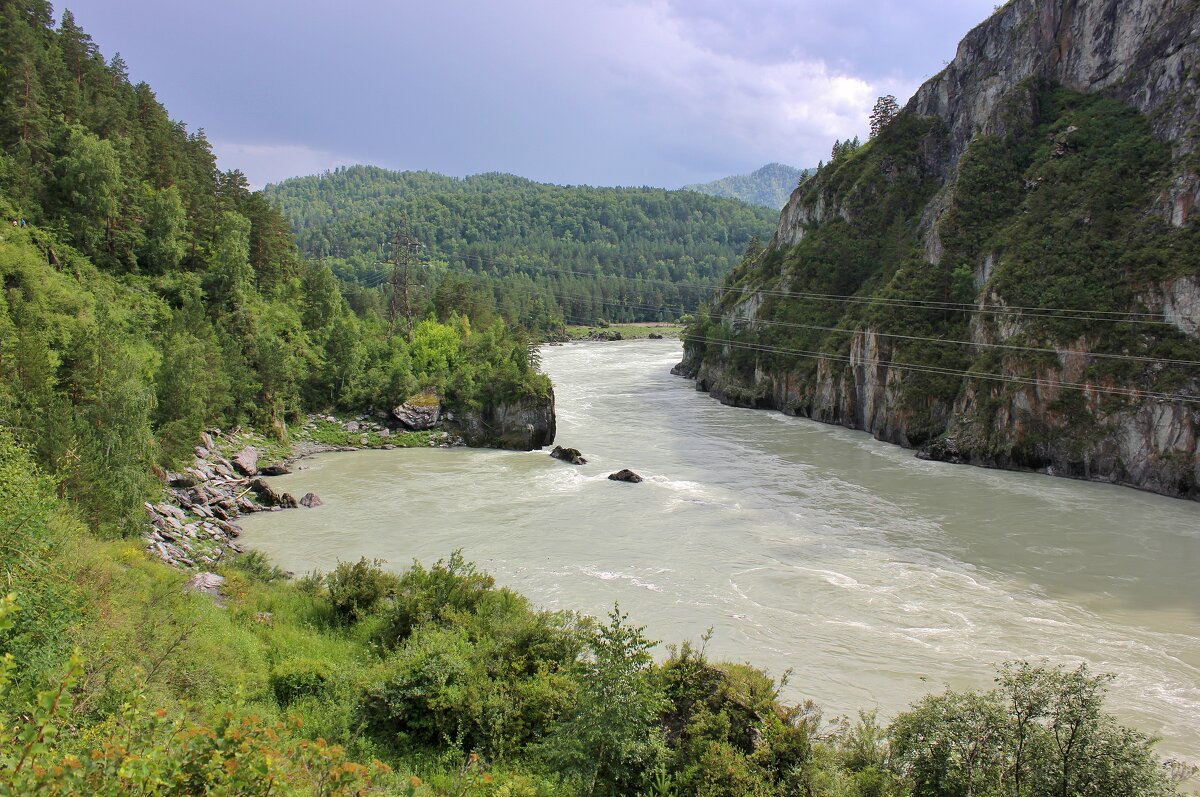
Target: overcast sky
[{"x": 605, "y": 92}]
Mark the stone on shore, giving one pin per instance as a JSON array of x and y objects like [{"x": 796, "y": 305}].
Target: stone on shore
[
  {"x": 422, "y": 411},
  {"x": 277, "y": 469},
  {"x": 246, "y": 462},
  {"x": 625, "y": 475},
  {"x": 206, "y": 583},
  {"x": 266, "y": 494}
]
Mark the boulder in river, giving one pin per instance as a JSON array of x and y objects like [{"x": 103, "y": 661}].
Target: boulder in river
[
  {"x": 607, "y": 336},
  {"x": 278, "y": 469},
  {"x": 266, "y": 494},
  {"x": 246, "y": 462},
  {"x": 625, "y": 475},
  {"x": 311, "y": 500},
  {"x": 288, "y": 501},
  {"x": 570, "y": 455}
]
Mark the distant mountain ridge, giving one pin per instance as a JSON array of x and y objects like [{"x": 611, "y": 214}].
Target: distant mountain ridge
[{"x": 770, "y": 186}]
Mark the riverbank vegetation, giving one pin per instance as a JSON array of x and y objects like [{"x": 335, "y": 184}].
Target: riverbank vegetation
[
  {"x": 147, "y": 295},
  {"x": 435, "y": 680}
]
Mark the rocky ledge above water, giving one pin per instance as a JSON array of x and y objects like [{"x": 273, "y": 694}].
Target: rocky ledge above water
[{"x": 521, "y": 425}]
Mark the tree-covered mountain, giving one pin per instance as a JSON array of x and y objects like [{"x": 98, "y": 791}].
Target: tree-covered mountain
[
  {"x": 1007, "y": 274},
  {"x": 769, "y": 186},
  {"x": 540, "y": 253}
]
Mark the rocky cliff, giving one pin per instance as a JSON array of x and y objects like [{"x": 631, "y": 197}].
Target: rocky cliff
[
  {"x": 1052, "y": 164},
  {"x": 521, "y": 425}
]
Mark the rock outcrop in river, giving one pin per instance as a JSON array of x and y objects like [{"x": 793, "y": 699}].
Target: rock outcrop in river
[
  {"x": 522, "y": 425},
  {"x": 1052, "y": 164}
]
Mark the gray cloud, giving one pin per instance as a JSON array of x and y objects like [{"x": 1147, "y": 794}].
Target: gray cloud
[{"x": 606, "y": 92}]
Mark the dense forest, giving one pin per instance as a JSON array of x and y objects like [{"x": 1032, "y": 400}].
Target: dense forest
[
  {"x": 540, "y": 254},
  {"x": 769, "y": 186},
  {"x": 148, "y": 296}
]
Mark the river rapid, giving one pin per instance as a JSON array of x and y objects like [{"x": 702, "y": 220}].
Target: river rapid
[{"x": 875, "y": 576}]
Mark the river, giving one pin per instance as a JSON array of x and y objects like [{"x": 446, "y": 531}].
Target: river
[{"x": 875, "y": 576}]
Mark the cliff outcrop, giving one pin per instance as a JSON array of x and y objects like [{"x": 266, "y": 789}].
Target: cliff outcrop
[
  {"x": 1009, "y": 274},
  {"x": 521, "y": 425}
]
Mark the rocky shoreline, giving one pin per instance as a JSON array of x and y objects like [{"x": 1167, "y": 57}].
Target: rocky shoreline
[{"x": 194, "y": 526}]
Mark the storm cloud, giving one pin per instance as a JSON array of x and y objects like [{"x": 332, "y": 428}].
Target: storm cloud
[{"x": 605, "y": 92}]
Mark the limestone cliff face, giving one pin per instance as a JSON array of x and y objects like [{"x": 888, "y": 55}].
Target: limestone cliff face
[
  {"x": 1142, "y": 53},
  {"x": 522, "y": 425}
]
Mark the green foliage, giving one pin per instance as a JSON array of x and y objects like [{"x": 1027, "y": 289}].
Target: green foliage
[
  {"x": 356, "y": 589},
  {"x": 1041, "y": 732},
  {"x": 435, "y": 595},
  {"x": 292, "y": 679},
  {"x": 610, "y": 742},
  {"x": 152, "y": 296},
  {"x": 533, "y": 254}
]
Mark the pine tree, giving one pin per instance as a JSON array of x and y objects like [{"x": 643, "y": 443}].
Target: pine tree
[{"x": 886, "y": 109}]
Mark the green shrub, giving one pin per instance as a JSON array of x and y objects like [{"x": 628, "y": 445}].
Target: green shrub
[
  {"x": 356, "y": 589},
  {"x": 295, "y": 678},
  {"x": 433, "y": 595},
  {"x": 258, "y": 567}
]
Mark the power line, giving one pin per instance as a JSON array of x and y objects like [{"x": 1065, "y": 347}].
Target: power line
[
  {"x": 815, "y": 327},
  {"x": 928, "y": 304},
  {"x": 1126, "y": 392},
  {"x": 933, "y": 369},
  {"x": 1067, "y": 314}
]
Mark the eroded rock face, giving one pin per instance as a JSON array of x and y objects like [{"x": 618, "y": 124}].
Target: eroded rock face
[
  {"x": 266, "y": 493},
  {"x": 522, "y": 425},
  {"x": 1140, "y": 52}
]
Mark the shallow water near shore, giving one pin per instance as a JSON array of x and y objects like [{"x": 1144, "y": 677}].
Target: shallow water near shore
[{"x": 875, "y": 576}]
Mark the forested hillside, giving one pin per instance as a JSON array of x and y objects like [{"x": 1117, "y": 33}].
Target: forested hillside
[
  {"x": 541, "y": 253},
  {"x": 769, "y": 186},
  {"x": 148, "y": 295}
]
